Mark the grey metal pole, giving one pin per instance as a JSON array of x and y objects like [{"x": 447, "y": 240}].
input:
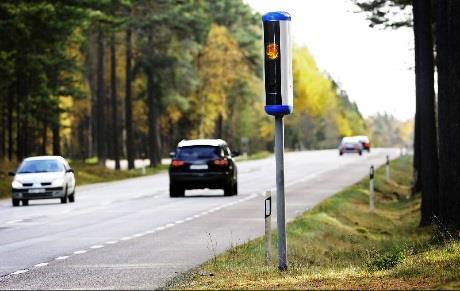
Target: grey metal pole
[
  {"x": 268, "y": 227},
  {"x": 280, "y": 199},
  {"x": 371, "y": 189}
]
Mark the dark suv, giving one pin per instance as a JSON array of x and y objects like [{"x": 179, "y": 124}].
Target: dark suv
[{"x": 202, "y": 163}]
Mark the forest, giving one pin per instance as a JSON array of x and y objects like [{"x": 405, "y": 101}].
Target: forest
[{"x": 128, "y": 79}]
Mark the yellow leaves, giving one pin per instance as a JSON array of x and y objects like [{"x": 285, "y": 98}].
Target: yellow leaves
[
  {"x": 313, "y": 93},
  {"x": 343, "y": 126},
  {"x": 220, "y": 65}
]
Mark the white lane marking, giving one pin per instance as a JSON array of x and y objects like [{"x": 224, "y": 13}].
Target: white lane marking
[
  {"x": 159, "y": 228},
  {"x": 169, "y": 225},
  {"x": 126, "y": 238},
  {"x": 14, "y": 221},
  {"x": 112, "y": 242},
  {"x": 41, "y": 265},
  {"x": 189, "y": 218},
  {"x": 80, "y": 252},
  {"x": 96, "y": 247},
  {"x": 179, "y": 221},
  {"x": 138, "y": 235},
  {"x": 61, "y": 258},
  {"x": 19, "y": 272},
  {"x": 150, "y": 231}
]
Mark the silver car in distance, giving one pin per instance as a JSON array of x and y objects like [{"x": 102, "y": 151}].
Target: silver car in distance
[{"x": 43, "y": 177}]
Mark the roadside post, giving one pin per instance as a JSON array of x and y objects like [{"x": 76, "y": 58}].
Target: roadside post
[
  {"x": 278, "y": 102},
  {"x": 387, "y": 169},
  {"x": 268, "y": 227},
  {"x": 371, "y": 189}
]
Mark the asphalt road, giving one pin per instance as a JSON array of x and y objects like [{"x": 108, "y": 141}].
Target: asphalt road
[{"x": 130, "y": 235}]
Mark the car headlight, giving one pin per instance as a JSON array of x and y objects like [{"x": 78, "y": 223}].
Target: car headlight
[
  {"x": 58, "y": 182},
  {"x": 16, "y": 184}
]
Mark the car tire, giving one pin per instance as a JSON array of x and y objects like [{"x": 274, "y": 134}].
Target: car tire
[
  {"x": 235, "y": 188},
  {"x": 229, "y": 189},
  {"x": 176, "y": 191},
  {"x": 340, "y": 153},
  {"x": 360, "y": 153},
  {"x": 25, "y": 202},
  {"x": 72, "y": 197},
  {"x": 15, "y": 202}
]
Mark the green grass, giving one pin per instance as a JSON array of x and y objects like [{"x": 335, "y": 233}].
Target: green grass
[
  {"x": 85, "y": 173},
  {"x": 255, "y": 156},
  {"x": 340, "y": 245}
]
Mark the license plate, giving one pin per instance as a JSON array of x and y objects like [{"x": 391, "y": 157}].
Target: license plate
[
  {"x": 198, "y": 167},
  {"x": 37, "y": 190}
]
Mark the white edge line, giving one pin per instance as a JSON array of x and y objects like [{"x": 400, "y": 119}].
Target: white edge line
[{"x": 19, "y": 272}]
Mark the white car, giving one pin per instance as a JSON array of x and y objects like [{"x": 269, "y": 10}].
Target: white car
[{"x": 43, "y": 177}]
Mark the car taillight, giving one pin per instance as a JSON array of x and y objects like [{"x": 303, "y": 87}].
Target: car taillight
[
  {"x": 177, "y": 163},
  {"x": 221, "y": 163}
]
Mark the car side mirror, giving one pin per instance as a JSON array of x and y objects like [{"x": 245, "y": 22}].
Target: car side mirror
[
  {"x": 235, "y": 153},
  {"x": 70, "y": 171},
  {"x": 11, "y": 174},
  {"x": 172, "y": 154}
]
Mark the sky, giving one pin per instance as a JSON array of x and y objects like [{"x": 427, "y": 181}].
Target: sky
[{"x": 374, "y": 66}]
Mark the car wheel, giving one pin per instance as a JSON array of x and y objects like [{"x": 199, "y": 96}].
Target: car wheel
[
  {"x": 15, "y": 202},
  {"x": 25, "y": 202},
  {"x": 360, "y": 153},
  {"x": 64, "y": 199},
  {"x": 340, "y": 153},
  {"x": 229, "y": 190},
  {"x": 72, "y": 197},
  {"x": 235, "y": 189},
  {"x": 176, "y": 191}
]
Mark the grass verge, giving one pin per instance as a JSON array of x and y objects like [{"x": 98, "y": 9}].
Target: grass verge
[
  {"x": 340, "y": 245},
  {"x": 85, "y": 173}
]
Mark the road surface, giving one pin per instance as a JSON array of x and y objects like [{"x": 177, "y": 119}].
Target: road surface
[{"x": 130, "y": 235}]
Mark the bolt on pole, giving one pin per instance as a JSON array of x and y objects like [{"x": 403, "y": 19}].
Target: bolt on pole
[
  {"x": 268, "y": 227},
  {"x": 371, "y": 189},
  {"x": 280, "y": 199}
]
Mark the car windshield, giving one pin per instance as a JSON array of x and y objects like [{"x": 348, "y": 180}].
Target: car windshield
[
  {"x": 40, "y": 166},
  {"x": 198, "y": 153}
]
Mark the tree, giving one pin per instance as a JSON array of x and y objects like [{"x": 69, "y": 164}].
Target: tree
[
  {"x": 424, "y": 72},
  {"x": 448, "y": 60}
]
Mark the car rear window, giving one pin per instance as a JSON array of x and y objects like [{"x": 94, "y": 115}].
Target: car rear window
[
  {"x": 40, "y": 166},
  {"x": 198, "y": 153}
]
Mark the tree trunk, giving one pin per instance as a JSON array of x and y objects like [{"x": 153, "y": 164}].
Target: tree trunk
[
  {"x": 56, "y": 129},
  {"x": 448, "y": 64},
  {"x": 10, "y": 124},
  {"x": 424, "y": 79},
  {"x": 44, "y": 137},
  {"x": 114, "y": 127},
  {"x": 417, "y": 177},
  {"x": 153, "y": 139},
  {"x": 100, "y": 120},
  {"x": 128, "y": 103}
]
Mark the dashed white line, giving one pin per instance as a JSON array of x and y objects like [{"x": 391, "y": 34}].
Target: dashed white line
[
  {"x": 19, "y": 272},
  {"x": 61, "y": 258},
  {"x": 160, "y": 228},
  {"x": 96, "y": 247},
  {"x": 112, "y": 242},
  {"x": 189, "y": 218},
  {"x": 41, "y": 265},
  {"x": 179, "y": 221},
  {"x": 150, "y": 231},
  {"x": 138, "y": 235},
  {"x": 126, "y": 238},
  {"x": 169, "y": 225},
  {"x": 14, "y": 221},
  {"x": 80, "y": 252}
]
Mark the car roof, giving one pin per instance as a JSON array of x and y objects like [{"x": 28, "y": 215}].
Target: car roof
[
  {"x": 38, "y": 158},
  {"x": 349, "y": 139},
  {"x": 199, "y": 142}
]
